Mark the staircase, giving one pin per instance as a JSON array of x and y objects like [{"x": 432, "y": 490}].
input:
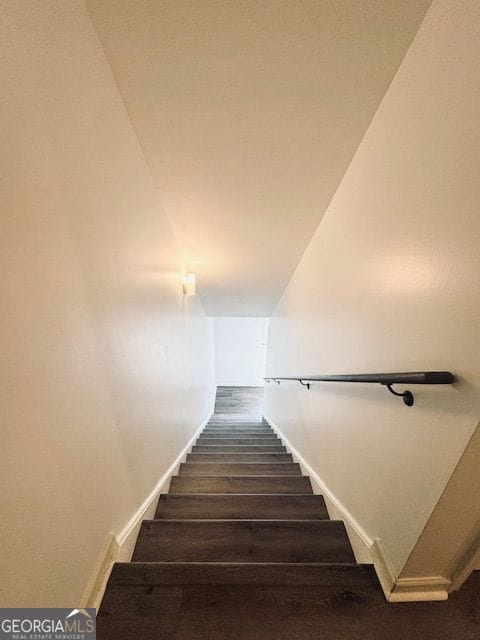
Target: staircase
[{"x": 241, "y": 549}]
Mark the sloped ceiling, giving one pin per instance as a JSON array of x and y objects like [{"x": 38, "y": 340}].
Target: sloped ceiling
[{"x": 249, "y": 113}]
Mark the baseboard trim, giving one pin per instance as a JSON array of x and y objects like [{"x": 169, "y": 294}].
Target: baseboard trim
[
  {"x": 367, "y": 549},
  {"x": 420, "y": 589},
  {"x": 96, "y": 586},
  {"x": 383, "y": 567},
  {"x": 119, "y": 546}
]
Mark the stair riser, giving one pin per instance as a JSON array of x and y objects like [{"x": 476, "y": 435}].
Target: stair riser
[
  {"x": 243, "y": 541},
  {"x": 248, "y": 507},
  {"x": 239, "y": 485},
  {"x": 345, "y": 576},
  {"x": 239, "y": 469}
]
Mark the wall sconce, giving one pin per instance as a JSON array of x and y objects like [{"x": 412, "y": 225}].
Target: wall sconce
[{"x": 189, "y": 284}]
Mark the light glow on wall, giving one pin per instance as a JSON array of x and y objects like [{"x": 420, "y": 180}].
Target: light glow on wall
[{"x": 189, "y": 284}]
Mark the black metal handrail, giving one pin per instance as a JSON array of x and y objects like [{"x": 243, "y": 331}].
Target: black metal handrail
[{"x": 385, "y": 379}]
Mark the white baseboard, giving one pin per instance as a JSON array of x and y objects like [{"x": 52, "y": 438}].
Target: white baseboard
[
  {"x": 96, "y": 586},
  {"x": 420, "y": 589},
  {"x": 119, "y": 546},
  {"x": 368, "y": 549},
  {"x": 385, "y": 572}
]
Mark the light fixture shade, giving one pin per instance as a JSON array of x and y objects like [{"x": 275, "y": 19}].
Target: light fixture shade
[{"x": 189, "y": 284}]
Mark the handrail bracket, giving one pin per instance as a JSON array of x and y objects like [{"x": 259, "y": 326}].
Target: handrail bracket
[{"x": 406, "y": 395}]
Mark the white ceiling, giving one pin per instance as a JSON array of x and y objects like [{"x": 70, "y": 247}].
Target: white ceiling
[{"x": 249, "y": 112}]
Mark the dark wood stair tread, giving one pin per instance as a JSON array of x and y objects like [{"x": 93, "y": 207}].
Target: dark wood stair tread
[
  {"x": 239, "y": 484},
  {"x": 239, "y": 457},
  {"x": 237, "y": 432},
  {"x": 239, "y": 440},
  {"x": 239, "y": 423},
  {"x": 238, "y": 448},
  {"x": 218, "y": 506},
  {"x": 228, "y": 434},
  {"x": 234, "y": 427},
  {"x": 257, "y": 427},
  {"x": 239, "y": 468},
  {"x": 243, "y": 541},
  {"x": 236, "y": 423}
]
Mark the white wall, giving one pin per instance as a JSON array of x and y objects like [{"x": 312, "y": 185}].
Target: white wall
[
  {"x": 107, "y": 369},
  {"x": 450, "y": 542},
  {"x": 240, "y": 351},
  {"x": 391, "y": 282}
]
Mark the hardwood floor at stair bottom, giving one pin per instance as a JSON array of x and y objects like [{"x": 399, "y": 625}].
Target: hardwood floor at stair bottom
[{"x": 345, "y": 608}]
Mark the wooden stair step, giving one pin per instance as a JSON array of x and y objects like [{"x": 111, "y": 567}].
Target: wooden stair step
[
  {"x": 248, "y": 507},
  {"x": 344, "y": 575},
  {"x": 239, "y": 436},
  {"x": 237, "y": 425},
  {"x": 229, "y": 440},
  {"x": 239, "y": 431},
  {"x": 237, "y": 448},
  {"x": 243, "y": 541},
  {"x": 240, "y": 425},
  {"x": 239, "y": 469},
  {"x": 240, "y": 484},
  {"x": 236, "y": 419},
  {"x": 239, "y": 457}
]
